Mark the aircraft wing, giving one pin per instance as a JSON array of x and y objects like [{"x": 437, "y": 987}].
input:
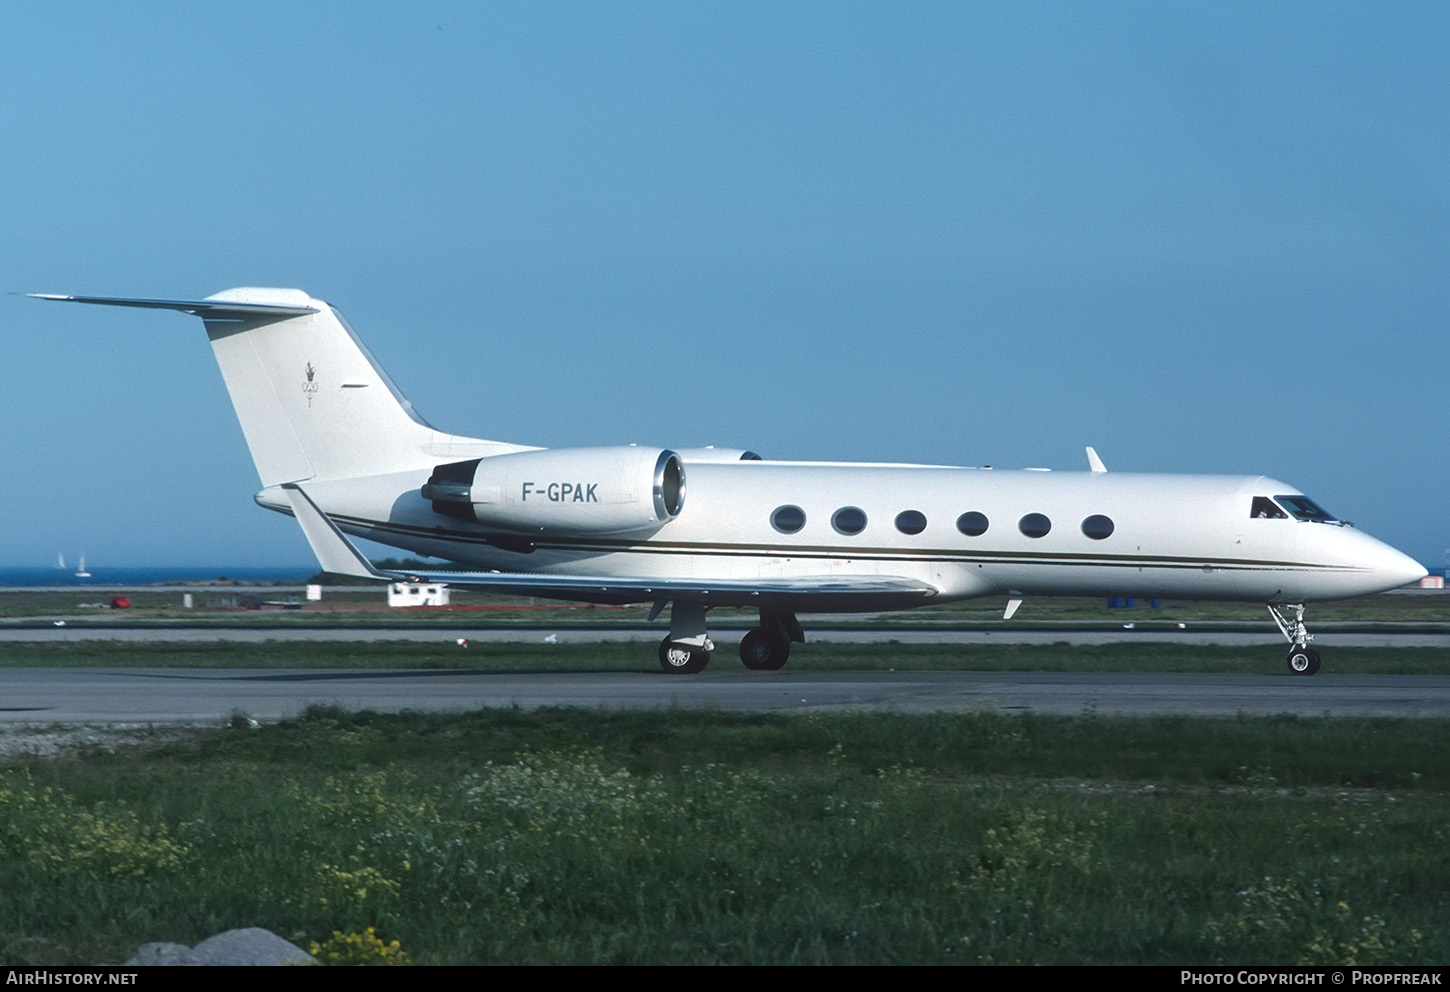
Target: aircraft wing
[{"x": 337, "y": 554}]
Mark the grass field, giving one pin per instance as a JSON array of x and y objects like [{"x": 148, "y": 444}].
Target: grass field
[
  {"x": 580, "y": 837},
  {"x": 701, "y": 837}
]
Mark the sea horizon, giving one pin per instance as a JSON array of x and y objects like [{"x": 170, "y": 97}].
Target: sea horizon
[{"x": 30, "y": 576}]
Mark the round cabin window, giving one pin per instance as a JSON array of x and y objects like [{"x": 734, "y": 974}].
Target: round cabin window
[
  {"x": 1035, "y": 525},
  {"x": 972, "y": 524}
]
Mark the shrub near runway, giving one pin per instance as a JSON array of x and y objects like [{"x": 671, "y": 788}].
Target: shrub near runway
[{"x": 685, "y": 837}]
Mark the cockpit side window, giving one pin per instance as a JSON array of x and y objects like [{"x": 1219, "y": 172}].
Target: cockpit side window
[
  {"x": 1305, "y": 508},
  {"x": 1266, "y": 509}
]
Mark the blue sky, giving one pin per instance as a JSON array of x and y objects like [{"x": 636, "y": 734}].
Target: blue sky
[{"x": 1201, "y": 237}]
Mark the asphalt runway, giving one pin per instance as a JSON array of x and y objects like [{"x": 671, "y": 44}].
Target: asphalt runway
[
  {"x": 141, "y": 696},
  {"x": 32, "y": 696}
]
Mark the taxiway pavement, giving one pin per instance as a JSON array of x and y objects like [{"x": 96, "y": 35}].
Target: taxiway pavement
[{"x": 145, "y": 696}]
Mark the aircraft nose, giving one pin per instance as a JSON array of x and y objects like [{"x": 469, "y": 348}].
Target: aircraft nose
[
  {"x": 1410, "y": 570},
  {"x": 1397, "y": 569}
]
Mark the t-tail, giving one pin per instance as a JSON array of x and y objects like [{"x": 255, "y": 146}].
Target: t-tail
[{"x": 312, "y": 402}]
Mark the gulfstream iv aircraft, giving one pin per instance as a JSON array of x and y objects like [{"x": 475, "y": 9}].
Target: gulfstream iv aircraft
[{"x": 338, "y": 447}]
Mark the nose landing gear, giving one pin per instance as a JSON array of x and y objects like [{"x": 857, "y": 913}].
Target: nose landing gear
[{"x": 1302, "y": 660}]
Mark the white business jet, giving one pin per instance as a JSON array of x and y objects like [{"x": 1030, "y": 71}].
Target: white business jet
[{"x": 338, "y": 447}]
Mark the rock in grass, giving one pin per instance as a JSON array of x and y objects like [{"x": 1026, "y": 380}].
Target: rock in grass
[{"x": 250, "y": 946}]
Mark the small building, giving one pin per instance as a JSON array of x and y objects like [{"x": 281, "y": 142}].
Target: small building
[{"x": 417, "y": 594}]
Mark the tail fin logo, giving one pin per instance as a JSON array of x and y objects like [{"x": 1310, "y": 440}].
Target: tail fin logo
[{"x": 309, "y": 388}]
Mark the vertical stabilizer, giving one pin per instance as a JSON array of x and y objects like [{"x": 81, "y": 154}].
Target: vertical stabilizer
[{"x": 312, "y": 402}]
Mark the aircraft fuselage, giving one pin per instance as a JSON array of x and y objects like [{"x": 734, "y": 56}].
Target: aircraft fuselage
[{"x": 968, "y": 532}]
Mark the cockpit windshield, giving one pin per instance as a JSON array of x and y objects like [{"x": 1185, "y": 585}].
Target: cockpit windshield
[
  {"x": 1304, "y": 508},
  {"x": 1266, "y": 509},
  {"x": 1299, "y": 507}
]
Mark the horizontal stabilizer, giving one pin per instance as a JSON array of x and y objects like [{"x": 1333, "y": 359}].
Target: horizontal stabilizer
[
  {"x": 337, "y": 554},
  {"x": 199, "y": 308}
]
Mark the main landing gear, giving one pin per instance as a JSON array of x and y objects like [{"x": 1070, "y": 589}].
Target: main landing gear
[
  {"x": 687, "y": 650},
  {"x": 685, "y": 659},
  {"x": 1302, "y": 660},
  {"x": 766, "y": 648}
]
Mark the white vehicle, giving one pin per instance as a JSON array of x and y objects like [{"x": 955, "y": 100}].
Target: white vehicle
[{"x": 337, "y": 446}]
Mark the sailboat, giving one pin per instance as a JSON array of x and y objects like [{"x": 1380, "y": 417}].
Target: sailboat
[
  {"x": 60, "y": 561},
  {"x": 81, "y": 572}
]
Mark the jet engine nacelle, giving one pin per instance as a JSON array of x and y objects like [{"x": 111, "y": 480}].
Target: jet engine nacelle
[
  {"x": 617, "y": 490},
  {"x": 713, "y": 454}
]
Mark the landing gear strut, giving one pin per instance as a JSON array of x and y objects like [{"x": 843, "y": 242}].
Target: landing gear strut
[
  {"x": 766, "y": 648},
  {"x": 687, "y": 650},
  {"x": 1302, "y": 660}
]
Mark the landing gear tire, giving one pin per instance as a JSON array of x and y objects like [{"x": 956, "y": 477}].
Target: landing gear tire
[
  {"x": 1303, "y": 660},
  {"x": 679, "y": 658},
  {"x": 760, "y": 652}
]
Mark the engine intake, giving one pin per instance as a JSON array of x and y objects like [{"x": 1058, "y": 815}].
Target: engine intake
[{"x": 616, "y": 490}]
